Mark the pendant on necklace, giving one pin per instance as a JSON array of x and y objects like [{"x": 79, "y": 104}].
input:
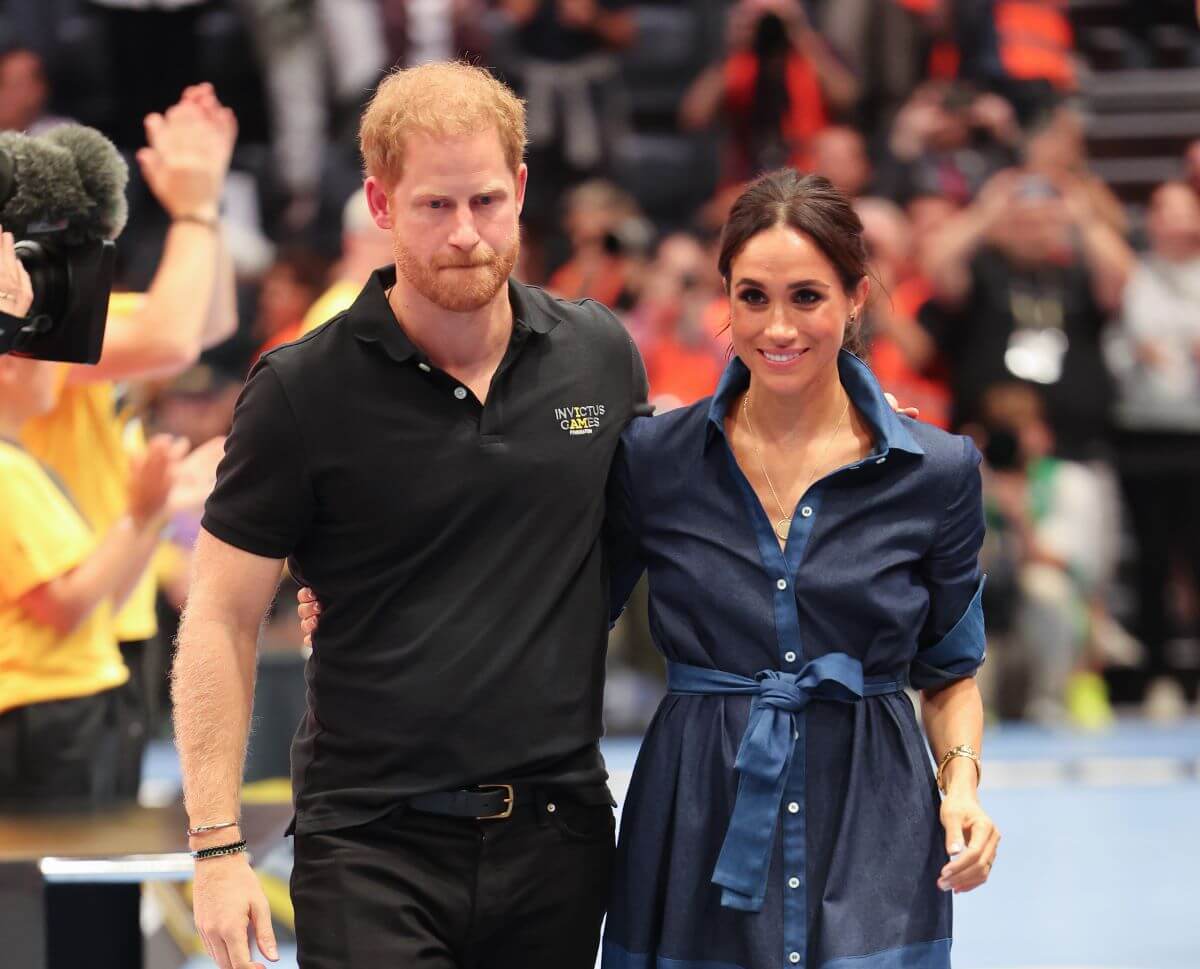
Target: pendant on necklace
[{"x": 783, "y": 527}]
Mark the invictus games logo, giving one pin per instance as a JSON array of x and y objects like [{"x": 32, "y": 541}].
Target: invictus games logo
[{"x": 581, "y": 419}]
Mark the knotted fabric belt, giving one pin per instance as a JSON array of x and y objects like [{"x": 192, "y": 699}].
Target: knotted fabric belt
[{"x": 764, "y": 758}]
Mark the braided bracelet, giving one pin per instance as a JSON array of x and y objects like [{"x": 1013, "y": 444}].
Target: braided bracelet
[{"x": 235, "y": 848}]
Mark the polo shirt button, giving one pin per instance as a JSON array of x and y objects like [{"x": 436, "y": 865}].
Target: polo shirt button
[
  {"x": 793, "y": 882},
  {"x": 793, "y": 807},
  {"x": 794, "y": 958},
  {"x": 781, "y": 584},
  {"x": 881, "y": 460},
  {"x": 789, "y": 657},
  {"x": 460, "y": 393},
  {"x": 424, "y": 366},
  {"x": 551, "y": 808},
  {"x": 806, "y": 512}
]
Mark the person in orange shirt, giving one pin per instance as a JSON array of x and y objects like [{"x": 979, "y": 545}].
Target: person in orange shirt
[
  {"x": 899, "y": 350},
  {"x": 776, "y": 87},
  {"x": 86, "y": 438}
]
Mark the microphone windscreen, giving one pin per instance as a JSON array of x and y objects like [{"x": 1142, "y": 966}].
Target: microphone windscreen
[
  {"x": 45, "y": 189},
  {"x": 103, "y": 175}
]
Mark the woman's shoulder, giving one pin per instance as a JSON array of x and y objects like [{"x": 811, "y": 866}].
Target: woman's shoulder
[
  {"x": 669, "y": 431},
  {"x": 946, "y": 454}
]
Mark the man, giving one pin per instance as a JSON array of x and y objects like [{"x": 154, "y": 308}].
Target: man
[{"x": 433, "y": 463}]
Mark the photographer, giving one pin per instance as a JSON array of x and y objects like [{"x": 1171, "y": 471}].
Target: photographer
[
  {"x": 84, "y": 437},
  {"x": 62, "y": 715}
]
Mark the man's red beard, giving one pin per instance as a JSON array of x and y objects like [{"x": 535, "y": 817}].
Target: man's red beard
[{"x": 459, "y": 290}]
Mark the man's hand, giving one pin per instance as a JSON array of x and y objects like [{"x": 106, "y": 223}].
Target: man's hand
[
  {"x": 228, "y": 902},
  {"x": 188, "y": 155}
]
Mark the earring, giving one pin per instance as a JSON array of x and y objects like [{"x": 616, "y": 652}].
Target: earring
[{"x": 853, "y": 317}]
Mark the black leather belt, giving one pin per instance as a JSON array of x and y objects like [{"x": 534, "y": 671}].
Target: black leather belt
[{"x": 487, "y": 802}]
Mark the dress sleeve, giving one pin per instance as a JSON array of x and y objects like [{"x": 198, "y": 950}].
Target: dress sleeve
[
  {"x": 952, "y": 643},
  {"x": 262, "y": 502},
  {"x": 622, "y": 545}
]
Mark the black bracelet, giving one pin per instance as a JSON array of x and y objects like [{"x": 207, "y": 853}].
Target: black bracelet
[{"x": 230, "y": 849}]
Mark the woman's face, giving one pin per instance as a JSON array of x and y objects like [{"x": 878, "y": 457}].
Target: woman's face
[{"x": 788, "y": 310}]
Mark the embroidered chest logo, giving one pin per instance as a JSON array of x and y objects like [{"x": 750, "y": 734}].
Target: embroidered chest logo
[{"x": 579, "y": 419}]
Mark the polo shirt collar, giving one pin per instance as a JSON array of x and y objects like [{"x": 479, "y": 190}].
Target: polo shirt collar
[
  {"x": 373, "y": 321},
  {"x": 888, "y": 430}
]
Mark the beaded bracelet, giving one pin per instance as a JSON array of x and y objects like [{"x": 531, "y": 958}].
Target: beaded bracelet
[{"x": 220, "y": 850}]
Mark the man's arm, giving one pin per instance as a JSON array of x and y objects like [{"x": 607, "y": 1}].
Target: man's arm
[{"x": 212, "y": 688}]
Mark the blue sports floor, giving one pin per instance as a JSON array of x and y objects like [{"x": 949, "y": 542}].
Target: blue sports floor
[{"x": 1100, "y": 864}]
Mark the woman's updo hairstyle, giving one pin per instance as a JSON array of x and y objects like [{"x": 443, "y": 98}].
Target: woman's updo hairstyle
[{"x": 808, "y": 204}]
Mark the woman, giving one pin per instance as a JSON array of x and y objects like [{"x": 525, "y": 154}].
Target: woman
[{"x": 808, "y": 553}]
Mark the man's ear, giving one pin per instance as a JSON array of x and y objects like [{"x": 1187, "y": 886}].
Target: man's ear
[{"x": 378, "y": 201}]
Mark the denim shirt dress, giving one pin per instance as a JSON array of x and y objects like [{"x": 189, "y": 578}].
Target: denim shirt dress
[{"x": 783, "y": 810}]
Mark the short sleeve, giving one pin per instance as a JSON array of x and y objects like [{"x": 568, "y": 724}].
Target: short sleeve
[
  {"x": 41, "y": 536},
  {"x": 952, "y": 643},
  {"x": 262, "y": 502}
]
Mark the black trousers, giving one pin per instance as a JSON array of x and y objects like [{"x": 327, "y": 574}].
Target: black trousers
[
  {"x": 1164, "y": 507},
  {"x": 426, "y": 892},
  {"x": 62, "y": 754}
]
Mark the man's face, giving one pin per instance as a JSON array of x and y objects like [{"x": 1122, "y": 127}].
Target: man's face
[
  {"x": 22, "y": 90},
  {"x": 453, "y": 218}
]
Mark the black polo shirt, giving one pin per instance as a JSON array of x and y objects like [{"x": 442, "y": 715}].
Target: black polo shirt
[{"x": 455, "y": 548}]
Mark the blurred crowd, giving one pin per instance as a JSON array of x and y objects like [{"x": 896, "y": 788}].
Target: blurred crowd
[{"x": 1016, "y": 297}]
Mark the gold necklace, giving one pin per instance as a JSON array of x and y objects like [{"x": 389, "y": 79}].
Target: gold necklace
[{"x": 783, "y": 527}]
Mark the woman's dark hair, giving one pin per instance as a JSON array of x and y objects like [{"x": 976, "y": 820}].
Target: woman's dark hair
[{"x": 808, "y": 204}]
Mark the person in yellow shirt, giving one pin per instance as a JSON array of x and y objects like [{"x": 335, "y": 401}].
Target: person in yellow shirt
[
  {"x": 61, "y": 670},
  {"x": 86, "y": 438},
  {"x": 365, "y": 247}
]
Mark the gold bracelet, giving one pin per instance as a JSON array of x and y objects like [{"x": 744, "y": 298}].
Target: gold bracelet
[{"x": 962, "y": 750}]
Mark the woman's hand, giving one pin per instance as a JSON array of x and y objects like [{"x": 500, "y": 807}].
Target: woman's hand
[
  {"x": 308, "y": 610},
  {"x": 971, "y": 840}
]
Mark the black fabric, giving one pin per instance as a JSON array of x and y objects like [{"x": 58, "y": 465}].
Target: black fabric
[
  {"x": 975, "y": 339},
  {"x": 1164, "y": 510},
  {"x": 137, "y": 699},
  {"x": 546, "y": 37},
  {"x": 426, "y": 892},
  {"x": 63, "y": 754},
  {"x": 455, "y": 548}
]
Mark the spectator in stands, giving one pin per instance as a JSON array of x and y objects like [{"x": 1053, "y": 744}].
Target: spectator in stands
[
  {"x": 63, "y": 714},
  {"x": 609, "y": 242},
  {"x": 1021, "y": 49},
  {"x": 675, "y": 326},
  {"x": 1191, "y": 164},
  {"x": 1048, "y": 558},
  {"x": 1157, "y": 363},
  {"x": 1023, "y": 282},
  {"x": 287, "y": 292},
  {"x": 776, "y": 88},
  {"x": 884, "y": 43},
  {"x": 948, "y": 140},
  {"x": 899, "y": 350},
  {"x": 365, "y": 247},
  {"x": 569, "y": 75},
  {"x": 840, "y": 154},
  {"x": 190, "y": 305},
  {"x": 1056, "y": 148},
  {"x": 23, "y": 91}
]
